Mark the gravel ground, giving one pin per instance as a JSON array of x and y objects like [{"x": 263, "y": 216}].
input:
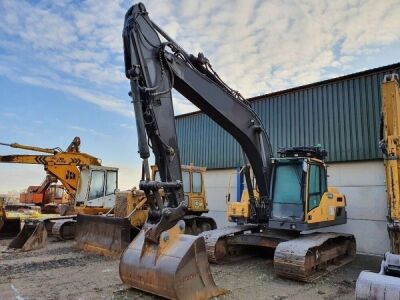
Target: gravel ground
[{"x": 60, "y": 271}]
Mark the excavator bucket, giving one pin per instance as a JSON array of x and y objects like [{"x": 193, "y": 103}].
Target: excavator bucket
[
  {"x": 176, "y": 268},
  {"x": 382, "y": 285},
  {"x": 104, "y": 235},
  {"x": 32, "y": 236},
  {"x": 377, "y": 286}
]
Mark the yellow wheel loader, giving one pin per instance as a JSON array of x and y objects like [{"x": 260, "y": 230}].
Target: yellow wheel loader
[
  {"x": 386, "y": 284},
  {"x": 162, "y": 259},
  {"x": 95, "y": 194},
  {"x": 90, "y": 187},
  {"x": 111, "y": 233}
]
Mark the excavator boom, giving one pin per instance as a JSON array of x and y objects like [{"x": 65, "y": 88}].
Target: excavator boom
[
  {"x": 386, "y": 284},
  {"x": 161, "y": 255},
  {"x": 62, "y": 165}
]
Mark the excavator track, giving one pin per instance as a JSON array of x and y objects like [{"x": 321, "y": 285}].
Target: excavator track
[
  {"x": 312, "y": 255},
  {"x": 198, "y": 224},
  {"x": 63, "y": 229},
  {"x": 216, "y": 241}
]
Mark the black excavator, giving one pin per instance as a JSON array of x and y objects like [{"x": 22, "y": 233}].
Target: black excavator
[{"x": 162, "y": 259}]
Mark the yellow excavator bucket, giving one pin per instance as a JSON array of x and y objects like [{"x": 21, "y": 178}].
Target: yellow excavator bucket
[
  {"x": 32, "y": 236},
  {"x": 175, "y": 268}
]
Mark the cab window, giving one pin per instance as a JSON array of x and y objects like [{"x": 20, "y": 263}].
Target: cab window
[
  {"x": 186, "y": 181},
  {"x": 197, "y": 184},
  {"x": 157, "y": 176},
  {"x": 287, "y": 190},
  {"x": 111, "y": 182},
  {"x": 59, "y": 192},
  {"x": 96, "y": 185},
  {"x": 316, "y": 185}
]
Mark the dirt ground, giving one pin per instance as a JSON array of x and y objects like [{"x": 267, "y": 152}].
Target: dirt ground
[{"x": 60, "y": 271}]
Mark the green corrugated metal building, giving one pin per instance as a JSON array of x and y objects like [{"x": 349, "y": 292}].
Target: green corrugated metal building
[{"x": 341, "y": 114}]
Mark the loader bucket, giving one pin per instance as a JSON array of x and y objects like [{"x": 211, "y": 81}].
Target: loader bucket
[
  {"x": 104, "y": 235},
  {"x": 176, "y": 268},
  {"x": 377, "y": 286},
  {"x": 32, "y": 236}
]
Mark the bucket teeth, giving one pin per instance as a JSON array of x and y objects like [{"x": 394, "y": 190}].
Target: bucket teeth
[{"x": 175, "y": 268}]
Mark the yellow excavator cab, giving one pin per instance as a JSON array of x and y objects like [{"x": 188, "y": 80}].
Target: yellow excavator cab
[
  {"x": 301, "y": 198},
  {"x": 193, "y": 187},
  {"x": 110, "y": 233}
]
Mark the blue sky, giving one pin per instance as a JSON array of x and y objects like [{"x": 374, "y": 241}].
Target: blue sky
[{"x": 61, "y": 63}]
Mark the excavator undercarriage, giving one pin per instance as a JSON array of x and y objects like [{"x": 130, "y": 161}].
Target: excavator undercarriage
[{"x": 302, "y": 257}]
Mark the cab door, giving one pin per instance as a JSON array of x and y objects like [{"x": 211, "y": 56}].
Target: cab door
[
  {"x": 197, "y": 197},
  {"x": 316, "y": 187}
]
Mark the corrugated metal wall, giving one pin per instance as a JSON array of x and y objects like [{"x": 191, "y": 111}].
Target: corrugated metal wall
[{"x": 343, "y": 115}]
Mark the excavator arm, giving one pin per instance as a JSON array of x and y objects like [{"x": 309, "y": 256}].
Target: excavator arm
[
  {"x": 161, "y": 259},
  {"x": 154, "y": 68},
  {"x": 386, "y": 283},
  {"x": 61, "y": 165}
]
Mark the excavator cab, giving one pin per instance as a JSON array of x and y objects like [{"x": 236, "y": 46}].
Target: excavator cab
[
  {"x": 195, "y": 195},
  {"x": 193, "y": 187},
  {"x": 111, "y": 233},
  {"x": 301, "y": 199},
  {"x": 96, "y": 189}
]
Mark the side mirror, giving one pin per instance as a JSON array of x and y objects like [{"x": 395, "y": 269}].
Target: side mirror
[{"x": 228, "y": 197}]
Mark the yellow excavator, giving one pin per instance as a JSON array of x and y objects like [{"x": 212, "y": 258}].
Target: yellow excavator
[
  {"x": 386, "y": 283},
  {"x": 80, "y": 174},
  {"x": 301, "y": 201},
  {"x": 111, "y": 233},
  {"x": 59, "y": 165},
  {"x": 286, "y": 195}
]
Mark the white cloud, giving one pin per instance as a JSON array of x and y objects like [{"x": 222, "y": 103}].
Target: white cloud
[
  {"x": 128, "y": 126},
  {"x": 104, "y": 101},
  {"x": 87, "y": 130},
  {"x": 9, "y": 114},
  {"x": 256, "y": 46}
]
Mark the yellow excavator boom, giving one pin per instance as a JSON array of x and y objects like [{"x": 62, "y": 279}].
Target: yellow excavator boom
[
  {"x": 391, "y": 148},
  {"x": 31, "y": 148},
  {"x": 62, "y": 165},
  {"x": 386, "y": 284}
]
